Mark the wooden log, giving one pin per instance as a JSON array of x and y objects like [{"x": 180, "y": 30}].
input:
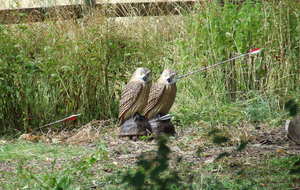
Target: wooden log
[
  {"x": 162, "y": 127},
  {"x": 293, "y": 129},
  {"x": 109, "y": 9},
  {"x": 134, "y": 127}
]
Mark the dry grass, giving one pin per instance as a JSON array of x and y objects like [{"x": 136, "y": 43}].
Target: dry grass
[
  {"x": 81, "y": 66},
  {"x": 193, "y": 146}
]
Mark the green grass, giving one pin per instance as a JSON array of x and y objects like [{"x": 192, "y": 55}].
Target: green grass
[
  {"x": 272, "y": 173},
  {"x": 50, "y": 166},
  {"x": 39, "y": 151},
  {"x": 233, "y": 92},
  {"x": 55, "y": 69}
]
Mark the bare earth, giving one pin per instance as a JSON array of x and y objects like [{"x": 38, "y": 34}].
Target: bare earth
[{"x": 191, "y": 143}]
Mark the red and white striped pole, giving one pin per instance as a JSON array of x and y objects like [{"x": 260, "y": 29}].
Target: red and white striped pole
[{"x": 70, "y": 118}]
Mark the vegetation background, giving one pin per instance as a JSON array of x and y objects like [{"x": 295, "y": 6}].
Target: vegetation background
[{"x": 54, "y": 69}]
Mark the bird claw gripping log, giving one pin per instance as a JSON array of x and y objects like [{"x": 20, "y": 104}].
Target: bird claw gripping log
[{"x": 138, "y": 126}]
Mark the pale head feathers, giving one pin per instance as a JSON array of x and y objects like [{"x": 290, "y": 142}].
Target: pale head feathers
[
  {"x": 167, "y": 77},
  {"x": 141, "y": 74}
]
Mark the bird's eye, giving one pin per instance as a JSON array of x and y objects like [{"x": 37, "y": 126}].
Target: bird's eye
[{"x": 169, "y": 80}]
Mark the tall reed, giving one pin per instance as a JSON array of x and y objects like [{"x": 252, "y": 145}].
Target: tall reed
[
  {"x": 53, "y": 69},
  {"x": 215, "y": 33}
]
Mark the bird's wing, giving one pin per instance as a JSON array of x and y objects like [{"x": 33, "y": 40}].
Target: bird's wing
[
  {"x": 155, "y": 96},
  {"x": 129, "y": 96},
  {"x": 171, "y": 98}
]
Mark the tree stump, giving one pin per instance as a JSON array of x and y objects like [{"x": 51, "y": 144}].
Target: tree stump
[
  {"x": 159, "y": 127},
  {"x": 134, "y": 127},
  {"x": 293, "y": 129}
]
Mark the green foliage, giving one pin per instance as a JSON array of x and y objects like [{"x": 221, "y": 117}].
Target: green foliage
[
  {"x": 76, "y": 174},
  {"x": 292, "y": 107},
  {"x": 55, "y": 69},
  {"x": 242, "y": 145},
  {"x": 259, "y": 108},
  {"x": 271, "y": 173},
  {"x": 154, "y": 173},
  {"x": 217, "y": 136},
  {"x": 50, "y": 71},
  {"x": 222, "y": 155},
  {"x": 38, "y": 151},
  {"x": 58, "y": 180},
  {"x": 78, "y": 168},
  {"x": 218, "y": 139},
  {"x": 215, "y": 33},
  {"x": 296, "y": 167}
]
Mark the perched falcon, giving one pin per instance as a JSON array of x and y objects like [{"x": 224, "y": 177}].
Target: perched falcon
[
  {"x": 162, "y": 95},
  {"x": 135, "y": 94}
]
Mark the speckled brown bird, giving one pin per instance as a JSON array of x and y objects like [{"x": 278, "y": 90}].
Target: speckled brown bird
[
  {"x": 162, "y": 95},
  {"x": 135, "y": 94}
]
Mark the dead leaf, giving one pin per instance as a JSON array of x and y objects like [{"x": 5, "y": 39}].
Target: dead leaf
[
  {"x": 30, "y": 137},
  {"x": 281, "y": 151}
]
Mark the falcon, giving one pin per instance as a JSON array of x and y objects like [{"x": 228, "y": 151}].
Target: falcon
[
  {"x": 162, "y": 95},
  {"x": 135, "y": 94}
]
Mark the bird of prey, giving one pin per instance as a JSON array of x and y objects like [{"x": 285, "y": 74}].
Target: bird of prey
[
  {"x": 162, "y": 95},
  {"x": 135, "y": 94}
]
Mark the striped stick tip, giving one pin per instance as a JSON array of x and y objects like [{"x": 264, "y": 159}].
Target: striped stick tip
[
  {"x": 255, "y": 51},
  {"x": 72, "y": 118}
]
